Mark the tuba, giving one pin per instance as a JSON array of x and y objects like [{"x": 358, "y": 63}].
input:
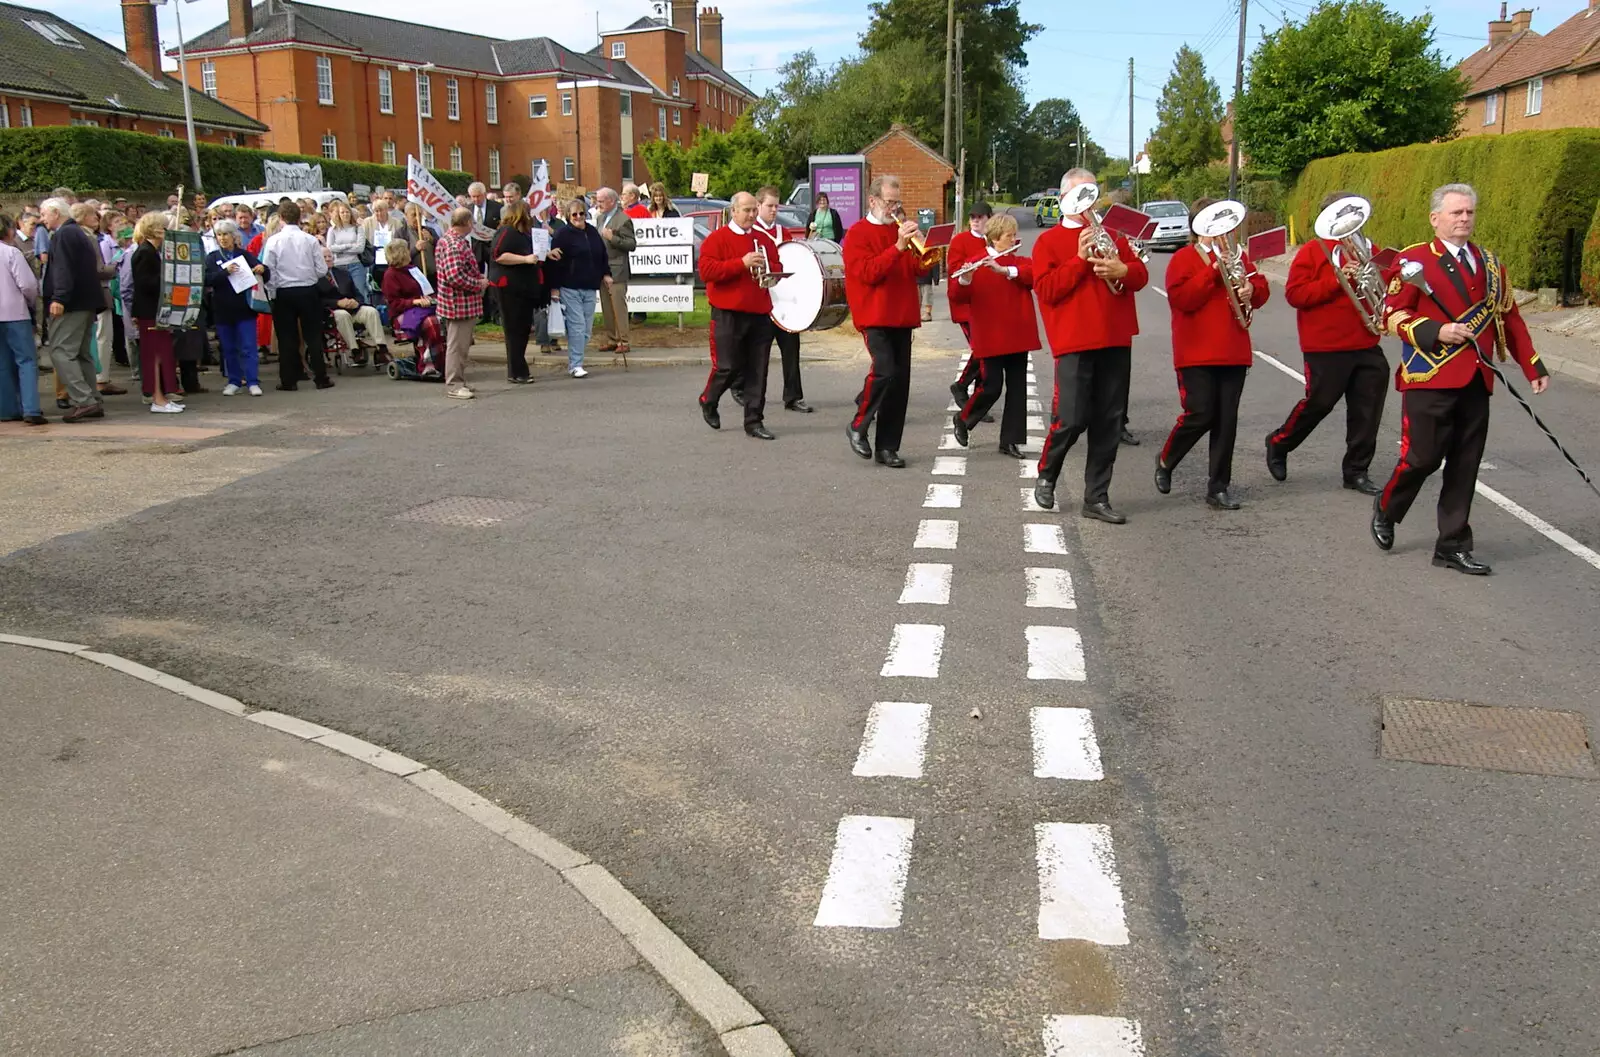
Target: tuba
[
  {"x": 926, "y": 256},
  {"x": 1080, "y": 200},
  {"x": 1218, "y": 222},
  {"x": 1360, "y": 278}
]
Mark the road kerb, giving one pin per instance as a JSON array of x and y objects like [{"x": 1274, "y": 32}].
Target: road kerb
[{"x": 739, "y": 1026}]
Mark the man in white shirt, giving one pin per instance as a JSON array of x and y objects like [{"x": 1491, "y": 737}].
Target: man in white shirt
[{"x": 294, "y": 264}]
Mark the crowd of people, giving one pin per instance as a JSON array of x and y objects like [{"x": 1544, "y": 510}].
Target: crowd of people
[{"x": 81, "y": 285}]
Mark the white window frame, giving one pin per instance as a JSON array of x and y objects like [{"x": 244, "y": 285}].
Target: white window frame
[
  {"x": 675, "y": 88},
  {"x": 494, "y": 165},
  {"x": 425, "y": 94},
  {"x": 661, "y": 122},
  {"x": 385, "y": 91},
  {"x": 230, "y": 140},
  {"x": 452, "y": 99},
  {"x": 491, "y": 104},
  {"x": 566, "y": 104},
  {"x": 538, "y": 107},
  {"x": 677, "y": 117},
  {"x": 627, "y": 166},
  {"x": 26, "y": 116},
  {"x": 427, "y": 156},
  {"x": 1491, "y": 108},
  {"x": 165, "y": 133},
  {"x": 389, "y": 152},
  {"x": 208, "y": 78},
  {"x": 455, "y": 157},
  {"x": 84, "y": 122},
  {"x": 324, "y": 80},
  {"x": 619, "y": 49},
  {"x": 569, "y": 171},
  {"x": 5, "y": 114},
  {"x": 1535, "y": 96},
  {"x": 625, "y": 104},
  {"x": 330, "y": 146}
]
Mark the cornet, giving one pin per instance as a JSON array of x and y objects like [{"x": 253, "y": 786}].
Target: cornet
[
  {"x": 1080, "y": 200},
  {"x": 925, "y": 256},
  {"x": 1218, "y": 222},
  {"x": 1361, "y": 280}
]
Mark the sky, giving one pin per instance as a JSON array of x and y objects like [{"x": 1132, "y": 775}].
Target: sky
[{"x": 1087, "y": 65}]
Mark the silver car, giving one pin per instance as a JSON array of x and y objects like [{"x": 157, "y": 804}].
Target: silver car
[{"x": 1172, "y": 225}]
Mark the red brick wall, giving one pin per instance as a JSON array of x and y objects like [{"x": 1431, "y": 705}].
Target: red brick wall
[
  {"x": 923, "y": 179},
  {"x": 1569, "y": 100}
]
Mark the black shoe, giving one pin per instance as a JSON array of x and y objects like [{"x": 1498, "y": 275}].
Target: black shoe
[
  {"x": 858, "y": 442},
  {"x": 709, "y": 413},
  {"x": 1461, "y": 562},
  {"x": 958, "y": 394},
  {"x": 520, "y": 381},
  {"x": 800, "y": 406},
  {"x": 891, "y": 458},
  {"x": 1382, "y": 527},
  {"x": 35, "y": 420},
  {"x": 1277, "y": 461},
  {"x": 1163, "y": 477},
  {"x": 738, "y": 396},
  {"x": 959, "y": 426},
  {"x": 324, "y": 383},
  {"x": 1363, "y": 484},
  {"x": 1222, "y": 501},
  {"x": 1044, "y": 494},
  {"x": 62, "y": 405},
  {"x": 759, "y": 432},
  {"x": 1101, "y": 511},
  {"x": 287, "y": 387},
  {"x": 1130, "y": 440},
  {"x": 988, "y": 418},
  {"x": 1012, "y": 450}
]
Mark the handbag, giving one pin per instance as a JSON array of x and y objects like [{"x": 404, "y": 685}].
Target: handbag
[
  {"x": 554, "y": 321},
  {"x": 259, "y": 304}
]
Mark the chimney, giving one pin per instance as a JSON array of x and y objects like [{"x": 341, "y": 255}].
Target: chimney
[
  {"x": 140, "y": 38},
  {"x": 241, "y": 19},
  {"x": 1521, "y": 21},
  {"x": 711, "y": 35},
  {"x": 1500, "y": 28},
  {"x": 683, "y": 17}
]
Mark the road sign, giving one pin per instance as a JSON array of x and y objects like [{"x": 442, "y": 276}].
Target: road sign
[
  {"x": 650, "y": 232},
  {"x": 662, "y": 260},
  {"x": 660, "y": 297}
]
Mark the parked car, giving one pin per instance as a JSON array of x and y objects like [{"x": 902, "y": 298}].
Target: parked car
[
  {"x": 265, "y": 203},
  {"x": 1033, "y": 199},
  {"x": 1172, "y": 225},
  {"x": 800, "y": 197},
  {"x": 1046, "y": 211}
]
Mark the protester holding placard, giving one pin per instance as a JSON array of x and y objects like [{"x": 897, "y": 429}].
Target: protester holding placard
[
  {"x": 580, "y": 269},
  {"x": 158, "y": 368},
  {"x": 514, "y": 272},
  {"x": 460, "y": 290},
  {"x": 233, "y": 279}
]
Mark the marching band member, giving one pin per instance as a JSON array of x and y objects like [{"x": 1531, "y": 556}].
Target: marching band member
[
  {"x": 965, "y": 246},
  {"x": 999, "y": 295},
  {"x": 1453, "y": 315},
  {"x": 794, "y": 397},
  {"x": 1090, "y": 327},
  {"x": 741, "y": 324},
  {"x": 1343, "y": 361},
  {"x": 1211, "y": 352},
  {"x": 880, "y": 282}
]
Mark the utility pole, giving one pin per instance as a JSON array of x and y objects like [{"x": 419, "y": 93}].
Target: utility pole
[
  {"x": 949, "y": 55},
  {"x": 960, "y": 116},
  {"x": 1130, "y": 120},
  {"x": 1233, "y": 122}
]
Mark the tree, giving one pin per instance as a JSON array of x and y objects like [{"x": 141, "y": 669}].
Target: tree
[
  {"x": 1355, "y": 76},
  {"x": 1188, "y": 118},
  {"x": 740, "y": 159},
  {"x": 1036, "y": 151}
]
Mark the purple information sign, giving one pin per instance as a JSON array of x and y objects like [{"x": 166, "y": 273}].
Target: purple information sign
[{"x": 843, "y": 186}]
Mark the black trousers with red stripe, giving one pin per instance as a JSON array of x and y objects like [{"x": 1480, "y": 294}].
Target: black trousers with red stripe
[
  {"x": 1091, "y": 395},
  {"x": 969, "y": 374},
  {"x": 1360, "y": 378},
  {"x": 1009, "y": 372},
  {"x": 1210, "y": 397},
  {"x": 741, "y": 343},
  {"x": 1448, "y": 426},
  {"x": 887, "y": 388}
]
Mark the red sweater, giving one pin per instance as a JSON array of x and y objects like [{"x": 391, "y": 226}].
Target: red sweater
[
  {"x": 728, "y": 282},
  {"x": 1002, "y": 309},
  {"x": 963, "y": 248},
  {"x": 1204, "y": 332},
  {"x": 880, "y": 281},
  {"x": 1080, "y": 311},
  {"x": 1327, "y": 318}
]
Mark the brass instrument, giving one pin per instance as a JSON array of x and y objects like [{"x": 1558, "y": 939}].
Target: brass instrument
[
  {"x": 1079, "y": 201},
  {"x": 763, "y": 274},
  {"x": 1218, "y": 222},
  {"x": 926, "y": 256},
  {"x": 1360, "y": 279}
]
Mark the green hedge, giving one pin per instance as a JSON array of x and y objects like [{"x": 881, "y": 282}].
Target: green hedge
[
  {"x": 1532, "y": 187},
  {"x": 1590, "y": 279},
  {"x": 100, "y": 159}
]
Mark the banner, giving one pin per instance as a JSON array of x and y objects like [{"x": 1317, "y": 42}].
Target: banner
[
  {"x": 430, "y": 194},
  {"x": 292, "y": 176},
  {"x": 541, "y": 196},
  {"x": 182, "y": 280}
]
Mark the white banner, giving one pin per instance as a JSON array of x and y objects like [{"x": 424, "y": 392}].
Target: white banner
[
  {"x": 292, "y": 176},
  {"x": 541, "y": 196},
  {"x": 660, "y": 298},
  {"x": 432, "y": 196},
  {"x": 667, "y": 231},
  {"x": 667, "y": 260}
]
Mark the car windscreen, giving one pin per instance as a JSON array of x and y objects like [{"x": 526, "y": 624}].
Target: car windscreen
[{"x": 1166, "y": 209}]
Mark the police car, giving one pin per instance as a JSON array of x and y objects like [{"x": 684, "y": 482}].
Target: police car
[{"x": 1047, "y": 211}]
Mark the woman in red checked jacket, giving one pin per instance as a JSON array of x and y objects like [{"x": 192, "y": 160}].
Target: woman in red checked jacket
[
  {"x": 1211, "y": 352},
  {"x": 999, "y": 298}
]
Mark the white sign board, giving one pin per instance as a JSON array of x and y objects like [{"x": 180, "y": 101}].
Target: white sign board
[
  {"x": 700, "y": 183},
  {"x": 666, "y": 260},
  {"x": 660, "y": 297},
  {"x": 292, "y": 176},
  {"x": 650, "y": 232}
]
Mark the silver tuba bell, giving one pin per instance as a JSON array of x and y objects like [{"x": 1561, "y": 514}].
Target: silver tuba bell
[
  {"x": 1079, "y": 201},
  {"x": 1219, "y": 222},
  {"x": 1360, "y": 278}
]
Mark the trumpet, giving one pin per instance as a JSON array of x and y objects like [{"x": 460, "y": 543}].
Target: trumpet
[
  {"x": 926, "y": 256},
  {"x": 1218, "y": 222},
  {"x": 1079, "y": 201},
  {"x": 1359, "y": 277},
  {"x": 763, "y": 274}
]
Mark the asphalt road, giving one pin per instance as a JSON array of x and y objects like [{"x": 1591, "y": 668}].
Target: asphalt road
[{"x": 668, "y": 659}]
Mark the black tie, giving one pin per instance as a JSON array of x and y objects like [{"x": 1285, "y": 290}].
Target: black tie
[{"x": 1466, "y": 261}]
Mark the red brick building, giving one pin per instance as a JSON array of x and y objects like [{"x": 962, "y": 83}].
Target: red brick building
[
  {"x": 1522, "y": 80},
  {"x": 344, "y": 84},
  {"x": 924, "y": 175}
]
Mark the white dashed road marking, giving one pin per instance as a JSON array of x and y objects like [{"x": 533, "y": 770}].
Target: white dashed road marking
[
  {"x": 937, "y": 534},
  {"x": 1035, "y": 424},
  {"x": 1048, "y": 589},
  {"x": 948, "y": 442},
  {"x": 950, "y": 466},
  {"x": 895, "y": 740},
  {"x": 1064, "y": 745},
  {"x": 943, "y": 496},
  {"x": 1080, "y": 895},
  {"x": 1028, "y": 504},
  {"x": 1028, "y": 469},
  {"x": 914, "y": 651},
  {"x": 1092, "y": 1037},
  {"x": 928, "y": 583},
  {"x": 1044, "y": 539},
  {"x": 866, "y": 884},
  {"x": 1055, "y": 653}
]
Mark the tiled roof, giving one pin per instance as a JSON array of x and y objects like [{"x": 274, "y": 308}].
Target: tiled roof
[
  {"x": 694, "y": 62},
  {"x": 1573, "y": 44},
  {"x": 897, "y": 129},
  {"x": 96, "y": 73}
]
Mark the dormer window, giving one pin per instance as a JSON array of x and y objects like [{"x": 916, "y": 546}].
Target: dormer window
[{"x": 619, "y": 50}]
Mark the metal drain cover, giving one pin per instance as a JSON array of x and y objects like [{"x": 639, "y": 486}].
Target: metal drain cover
[
  {"x": 467, "y": 511},
  {"x": 1490, "y": 737}
]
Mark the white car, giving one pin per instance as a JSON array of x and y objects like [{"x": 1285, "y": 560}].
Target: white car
[
  {"x": 264, "y": 202},
  {"x": 1172, "y": 225}
]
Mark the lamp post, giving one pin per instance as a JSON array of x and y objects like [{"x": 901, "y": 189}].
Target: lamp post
[
  {"x": 188, "y": 110},
  {"x": 420, "y": 70}
]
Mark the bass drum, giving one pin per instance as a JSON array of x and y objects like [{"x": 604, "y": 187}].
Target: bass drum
[{"x": 811, "y": 297}]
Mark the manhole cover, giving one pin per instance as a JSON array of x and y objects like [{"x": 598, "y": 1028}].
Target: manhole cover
[
  {"x": 467, "y": 511},
  {"x": 1524, "y": 740}
]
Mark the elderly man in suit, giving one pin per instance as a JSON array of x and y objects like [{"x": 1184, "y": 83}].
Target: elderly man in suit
[
  {"x": 485, "y": 218},
  {"x": 616, "y": 228}
]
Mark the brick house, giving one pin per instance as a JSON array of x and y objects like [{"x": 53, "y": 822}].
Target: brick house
[
  {"x": 345, "y": 84},
  {"x": 925, "y": 177},
  {"x": 1522, "y": 80},
  {"x": 57, "y": 74}
]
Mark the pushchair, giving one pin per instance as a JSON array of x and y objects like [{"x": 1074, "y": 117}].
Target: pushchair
[{"x": 420, "y": 329}]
